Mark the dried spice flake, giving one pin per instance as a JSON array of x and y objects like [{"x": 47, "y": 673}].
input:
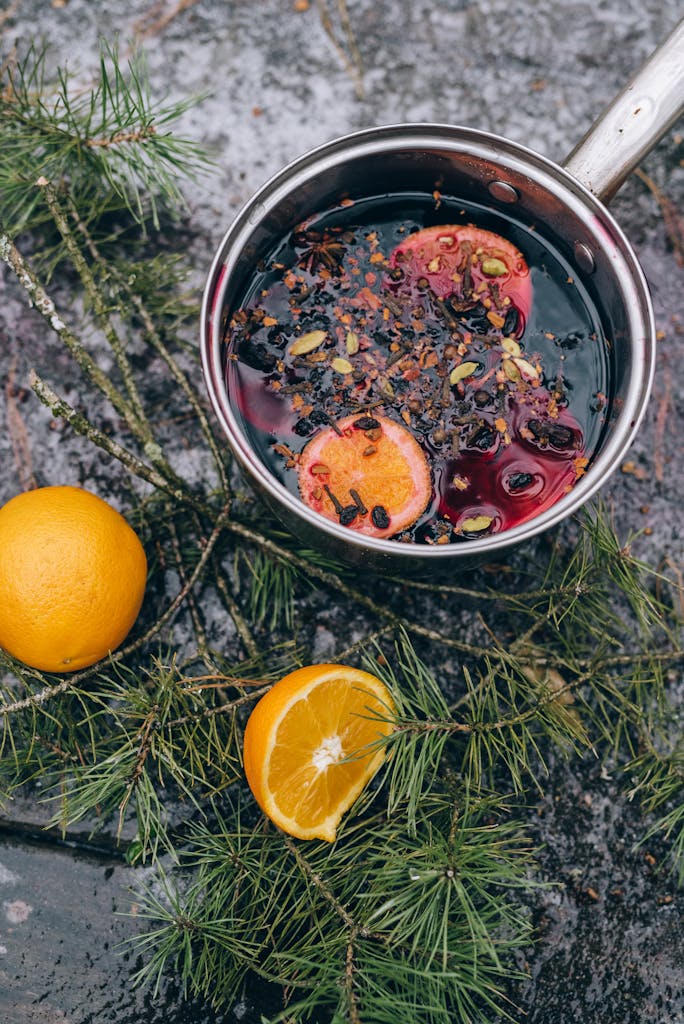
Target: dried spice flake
[
  {"x": 511, "y": 371},
  {"x": 352, "y": 343},
  {"x": 511, "y": 346},
  {"x": 341, "y": 365},
  {"x": 476, "y": 524},
  {"x": 528, "y": 371},
  {"x": 307, "y": 343},
  {"x": 495, "y": 319},
  {"x": 466, "y": 369},
  {"x": 494, "y": 267}
]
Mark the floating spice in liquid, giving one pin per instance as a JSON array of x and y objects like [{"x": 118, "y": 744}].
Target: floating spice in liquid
[{"x": 452, "y": 322}]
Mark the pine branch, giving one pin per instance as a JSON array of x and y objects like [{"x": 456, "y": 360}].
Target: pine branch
[
  {"x": 113, "y": 144},
  {"x": 659, "y": 784},
  {"x": 314, "y": 923},
  {"x": 41, "y": 301}
]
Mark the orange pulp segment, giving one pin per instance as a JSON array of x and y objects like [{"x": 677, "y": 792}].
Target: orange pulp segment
[
  {"x": 384, "y": 465},
  {"x": 306, "y": 746}
]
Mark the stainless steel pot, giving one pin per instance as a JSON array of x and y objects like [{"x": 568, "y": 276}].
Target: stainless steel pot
[{"x": 566, "y": 205}]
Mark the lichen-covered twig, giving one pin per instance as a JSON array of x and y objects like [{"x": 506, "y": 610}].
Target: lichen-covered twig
[
  {"x": 100, "y": 310},
  {"x": 41, "y": 301},
  {"x": 61, "y": 409},
  {"x": 154, "y": 337}
]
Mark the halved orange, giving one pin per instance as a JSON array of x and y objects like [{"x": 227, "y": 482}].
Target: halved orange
[
  {"x": 437, "y": 256},
  {"x": 384, "y": 467},
  {"x": 306, "y": 746}
]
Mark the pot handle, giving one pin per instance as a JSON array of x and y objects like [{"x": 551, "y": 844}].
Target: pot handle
[{"x": 632, "y": 124}]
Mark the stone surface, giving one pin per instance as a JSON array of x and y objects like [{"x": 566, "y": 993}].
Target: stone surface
[{"x": 611, "y": 932}]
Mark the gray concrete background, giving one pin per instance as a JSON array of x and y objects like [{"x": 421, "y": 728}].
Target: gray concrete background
[{"x": 538, "y": 73}]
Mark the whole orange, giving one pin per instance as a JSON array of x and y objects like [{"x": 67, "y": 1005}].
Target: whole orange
[{"x": 72, "y": 578}]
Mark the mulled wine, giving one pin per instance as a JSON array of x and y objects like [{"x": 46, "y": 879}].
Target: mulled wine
[{"x": 419, "y": 340}]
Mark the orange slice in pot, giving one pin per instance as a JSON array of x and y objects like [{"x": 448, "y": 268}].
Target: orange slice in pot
[
  {"x": 370, "y": 474},
  {"x": 468, "y": 263},
  {"x": 308, "y": 750}
]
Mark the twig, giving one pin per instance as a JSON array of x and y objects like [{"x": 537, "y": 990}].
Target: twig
[
  {"x": 10, "y": 12},
  {"x": 243, "y": 630},
  {"x": 672, "y": 219},
  {"x": 351, "y": 60},
  {"x": 155, "y": 339},
  {"x": 446, "y": 588},
  {"x": 198, "y": 626},
  {"x": 222, "y": 709},
  {"x": 358, "y": 598},
  {"x": 60, "y": 408},
  {"x": 319, "y": 883},
  {"x": 436, "y": 725},
  {"x": 217, "y": 681},
  {"x": 207, "y": 550},
  {"x": 671, "y": 657},
  {"x": 145, "y": 733},
  {"x": 352, "y": 1001},
  {"x": 42, "y": 696},
  {"x": 39, "y": 298},
  {"x": 481, "y": 595},
  {"x": 661, "y": 425},
  {"x": 364, "y": 642},
  {"x": 139, "y": 135},
  {"x": 146, "y": 30},
  {"x": 139, "y": 426}
]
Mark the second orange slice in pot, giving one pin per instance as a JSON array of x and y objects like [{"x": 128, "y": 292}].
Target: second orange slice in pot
[
  {"x": 369, "y": 474},
  {"x": 311, "y": 746}
]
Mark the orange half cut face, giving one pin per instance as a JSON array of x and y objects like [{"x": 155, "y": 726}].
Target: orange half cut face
[{"x": 313, "y": 743}]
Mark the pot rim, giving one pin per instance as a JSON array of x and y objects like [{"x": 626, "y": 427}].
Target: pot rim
[{"x": 511, "y": 157}]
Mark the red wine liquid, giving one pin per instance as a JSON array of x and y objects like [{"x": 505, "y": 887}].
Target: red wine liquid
[{"x": 502, "y": 446}]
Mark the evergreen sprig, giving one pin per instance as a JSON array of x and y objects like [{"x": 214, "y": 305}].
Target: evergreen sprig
[
  {"x": 77, "y": 138},
  {"x": 365, "y": 929},
  {"x": 659, "y": 785}
]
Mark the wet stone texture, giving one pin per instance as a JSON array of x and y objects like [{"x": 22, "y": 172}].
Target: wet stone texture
[{"x": 609, "y": 925}]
